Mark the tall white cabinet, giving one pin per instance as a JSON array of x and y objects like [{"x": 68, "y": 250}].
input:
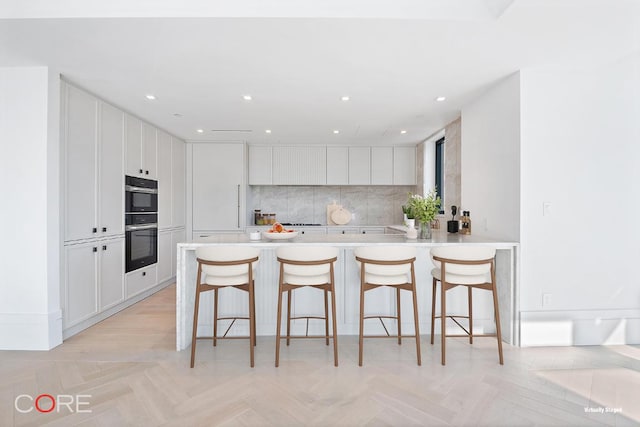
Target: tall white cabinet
[
  {"x": 217, "y": 186},
  {"x": 101, "y": 144}
]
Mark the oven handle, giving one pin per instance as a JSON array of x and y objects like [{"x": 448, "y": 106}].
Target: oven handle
[
  {"x": 140, "y": 227},
  {"x": 140, "y": 189}
]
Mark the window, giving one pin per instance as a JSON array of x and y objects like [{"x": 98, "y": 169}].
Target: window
[{"x": 439, "y": 168}]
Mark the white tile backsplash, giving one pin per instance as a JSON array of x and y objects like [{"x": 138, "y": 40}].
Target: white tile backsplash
[{"x": 370, "y": 205}]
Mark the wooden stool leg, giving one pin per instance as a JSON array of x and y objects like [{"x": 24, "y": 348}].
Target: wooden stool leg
[
  {"x": 288, "y": 316},
  {"x": 252, "y": 327},
  {"x": 333, "y": 322},
  {"x": 255, "y": 339},
  {"x": 497, "y": 313},
  {"x": 279, "y": 323},
  {"x": 433, "y": 308},
  {"x": 470, "y": 316},
  {"x": 443, "y": 318},
  {"x": 215, "y": 316},
  {"x": 415, "y": 319},
  {"x": 326, "y": 316},
  {"x": 195, "y": 320},
  {"x": 399, "y": 316},
  {"x": 361, "y": 337}
]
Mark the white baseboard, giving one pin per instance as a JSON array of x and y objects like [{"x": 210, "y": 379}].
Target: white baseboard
[
  {"x": 579, "y": 327},
  {"x": 30, "y": 331}
]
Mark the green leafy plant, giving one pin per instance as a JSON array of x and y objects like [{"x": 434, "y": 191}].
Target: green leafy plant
[
  {"x": 407, "y": 211},
  {"x": 424, "y": 208}
]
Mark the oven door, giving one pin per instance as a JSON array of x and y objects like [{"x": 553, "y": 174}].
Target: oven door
[{"x": 141, "y": 246}]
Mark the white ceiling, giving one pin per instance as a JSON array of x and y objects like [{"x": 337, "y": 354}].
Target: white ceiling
[{"x": 298, "y": 57}]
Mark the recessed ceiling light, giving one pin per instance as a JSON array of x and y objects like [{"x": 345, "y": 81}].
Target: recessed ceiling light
[
  {"x": 150, "y": 97},
  {"x": 247, "y": 97},
  {"x": 336, "y": 131},
  {"x": 345, "y": 98},
  {"x": 440, "y": 98},
  {"x": 403, "y": 131},
  {"x": 268, "y": 131},
  {"x": 200, "y": 130}
]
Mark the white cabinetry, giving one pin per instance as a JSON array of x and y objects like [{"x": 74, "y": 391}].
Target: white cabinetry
[
  {"x": 93, "y": 278},
  {"x": 381, "y": 165},
  {"x": 164, "y": 179},
  {"x": 218, "y": 171},
  {"x": 299, "y": 165},
  {"x": 140, "y": 280},
  {"x": 359, "y": 165},
  {"x": 177, "y": 182},
  {"x": 337, "y": 165},
  {"x": 141, "y": 148},
  {"x": 93, "y": 190},
  {"x": 404, "y": 165},
  {"x": 164, "y": 256},
  {"x": 260, "y": 158}
]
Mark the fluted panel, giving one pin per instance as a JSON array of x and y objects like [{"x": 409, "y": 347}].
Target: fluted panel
[{"x": 299, "y": 165}]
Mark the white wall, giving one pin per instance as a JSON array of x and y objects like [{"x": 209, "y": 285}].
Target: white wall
[
  {"x": 490, "y": 160},
  {"x": 580, "y": 153},
  {"x": 29, "y": 289}
]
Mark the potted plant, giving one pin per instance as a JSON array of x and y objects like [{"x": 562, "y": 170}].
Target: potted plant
[
  {"x": 409, "y": 218},
  {"x": 424, "y": 209}
]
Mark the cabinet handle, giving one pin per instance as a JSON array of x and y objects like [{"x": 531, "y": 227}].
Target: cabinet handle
[
  {"x": 146, "y": 172},
  {"x": 144, "y": 273},
  {"x": 104, "y": 229},
  {"x": 95, "y": 249},
  {"x": 302, "y": 231},
  {"x": 342, "y": 231},
  {"x": 95, "y": 230},
  {"x": 141, "y": 171},
  {"x": 104, "y": 247},
  {"x": 364, "y": 231}
]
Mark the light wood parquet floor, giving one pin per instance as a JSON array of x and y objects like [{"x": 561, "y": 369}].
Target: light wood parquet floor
[{"x": 129, "y": 367}]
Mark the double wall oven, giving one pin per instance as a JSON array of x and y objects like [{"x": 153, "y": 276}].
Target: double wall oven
[{"x": 141, "y": 222}]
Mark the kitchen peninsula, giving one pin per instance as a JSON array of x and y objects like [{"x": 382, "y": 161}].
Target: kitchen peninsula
[{"x": 347, "y": 287}]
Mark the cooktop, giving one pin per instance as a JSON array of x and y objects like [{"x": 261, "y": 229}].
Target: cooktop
[{"x": 299, "y": 224}]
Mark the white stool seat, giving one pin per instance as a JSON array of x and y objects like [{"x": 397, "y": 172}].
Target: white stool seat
[
  {"x": 306, "y": 274},
  {"x": 461, "y": 279}
]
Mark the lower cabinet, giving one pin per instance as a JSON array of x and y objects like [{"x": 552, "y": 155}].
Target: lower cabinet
[
  {"x": 164, "y": 256},
  {"x": 94, "y": 273},
  {"x": 140, "y": 280}
]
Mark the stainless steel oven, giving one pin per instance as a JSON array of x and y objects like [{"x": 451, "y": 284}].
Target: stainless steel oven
[
  {"x": 141, "y": 240},
  {"x": 141, "y": 195}
]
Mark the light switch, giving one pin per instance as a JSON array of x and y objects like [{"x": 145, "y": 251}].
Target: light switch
[{"x": 546, "y": 208}]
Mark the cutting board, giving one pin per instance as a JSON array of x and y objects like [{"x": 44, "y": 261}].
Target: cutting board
[
  {"x": 341, "y": 216},
  {"x": 330, "y": 209}
]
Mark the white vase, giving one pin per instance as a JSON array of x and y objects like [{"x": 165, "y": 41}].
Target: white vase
[{"x": 411, "y": 223}]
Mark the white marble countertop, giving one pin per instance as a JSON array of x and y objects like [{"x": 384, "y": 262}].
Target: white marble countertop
[{"x": 439, "y": 238}]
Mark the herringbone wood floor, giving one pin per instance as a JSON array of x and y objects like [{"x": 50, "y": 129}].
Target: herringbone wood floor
[{"x": 129, "y": 366}]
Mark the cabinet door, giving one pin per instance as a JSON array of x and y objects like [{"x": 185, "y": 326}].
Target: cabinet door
[
  {"x": 404, "y": 166},
  {"x": 217, "y": 186},
  {"x": 299, "y": 165},
  {"x": 177, "y": 182},
  {"x": 337, "y": 165},
  {"x": 164, "y": 180},
  {"x": 111, "y": 175},
  {"x": 260, "y": 165},
  {"x": 134, "y": 146},
  {"x": 80, "y": 167},
  {"x": 164, "y": 256},
  {"x": 149, "y": 151},
  {"x": 140, "y": 280},
  {"x": 381, "y": 165},
  {"x": 177, "y": 236},
  {"x": 359, "y": 165},
  {"x": 80, "y": 283},
  {"x": 111, "y": 283}
]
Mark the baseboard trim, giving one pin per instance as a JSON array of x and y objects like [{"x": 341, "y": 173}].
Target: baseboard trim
[{"x": 579, "y": 327}]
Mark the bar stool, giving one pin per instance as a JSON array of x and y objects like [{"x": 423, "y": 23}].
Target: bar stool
[
  {"x": 470, "y": 266},
  {"x": 225, "y": 267},
  {"x": 302, "y": 266},
  {"x": 391, "y": 266}
]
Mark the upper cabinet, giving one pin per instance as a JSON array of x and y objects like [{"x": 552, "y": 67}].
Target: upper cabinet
[
  {"x": 93, "y": 191},
  {"x": 141, "y": 148},
  {"x": 299, "y": 165},
  {"x": 337, "y": 165},
  {"x": 178, "y": 188},
  {"x": 404, "y": 166},
  {"x": 359, "y": 165},
  {"x": 382, "y": 166},
  {"x": 164, "y": 179},
  {"x": 260, "y": 157}
]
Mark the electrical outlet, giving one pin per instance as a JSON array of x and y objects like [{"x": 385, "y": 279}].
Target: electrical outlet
[
  {"x": 546, "y": 300},
  {"x": 546, "y": 208}
]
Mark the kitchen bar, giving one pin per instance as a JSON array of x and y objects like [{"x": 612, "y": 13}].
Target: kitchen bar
[{"x": 347, "y": 285}]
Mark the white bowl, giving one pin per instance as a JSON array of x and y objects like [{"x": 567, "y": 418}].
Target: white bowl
[{"x": 280, "y": 236}]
